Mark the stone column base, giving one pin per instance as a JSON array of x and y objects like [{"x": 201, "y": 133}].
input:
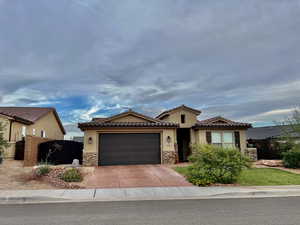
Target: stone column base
[
  {"x": 168, "y": 157},
  {"x": 251, "y": 153},
  {"x": 90, "y": 159}
]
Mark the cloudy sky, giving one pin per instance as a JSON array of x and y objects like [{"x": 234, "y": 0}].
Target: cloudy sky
[{"x": 236, "y": 58}]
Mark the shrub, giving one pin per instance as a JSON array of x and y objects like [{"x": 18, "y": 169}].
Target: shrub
[
  {"x": 71, "y": 175},
  {"x": 291, "y": 159},
  {"x": 213, "y": 164},
  {"x": 43, "y": 170}
]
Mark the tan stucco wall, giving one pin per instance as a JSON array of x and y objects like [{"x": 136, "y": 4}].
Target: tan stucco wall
[
  {"x": 129, "y": 118},
  {"x": 175, "y": 117},
  {"x": 5, "y": 122},
  {"x": 16, "y": 131},
  {"x": 49, "y": 124},
  {"x": 201, "y": 137}
]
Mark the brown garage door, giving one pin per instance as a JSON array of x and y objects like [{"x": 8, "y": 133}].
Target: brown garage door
[{"x": 129, "y": 149}]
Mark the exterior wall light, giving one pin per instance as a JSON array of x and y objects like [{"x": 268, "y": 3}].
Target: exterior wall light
[
  {"x": 169, "y": 139},
  {"x": 90, "y": 140}
]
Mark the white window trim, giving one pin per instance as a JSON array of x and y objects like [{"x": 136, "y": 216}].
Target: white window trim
[{"x": 33, "y": 132}]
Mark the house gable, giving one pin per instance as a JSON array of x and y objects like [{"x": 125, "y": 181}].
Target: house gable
[
  {"x": 219, "y": 121},
  {"x": 185, "y": 116},
  {"x": 50, "y": 124},
  {"x": 130, "y": 116}
]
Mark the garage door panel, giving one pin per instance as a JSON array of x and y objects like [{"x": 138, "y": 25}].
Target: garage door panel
[{"x": 129, "y": 149}]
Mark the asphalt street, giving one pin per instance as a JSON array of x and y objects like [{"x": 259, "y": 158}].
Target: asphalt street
[{"x": 258, "y": 211}]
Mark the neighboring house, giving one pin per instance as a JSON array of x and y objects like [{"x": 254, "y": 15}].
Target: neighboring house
[
  {"x": 271, "y": 132},
  {"x": 265, "y": 139},
  {"x": 133, "y": 138},
  {"x": 78, "y": 139},
  {"x": 22, "y": 121}
]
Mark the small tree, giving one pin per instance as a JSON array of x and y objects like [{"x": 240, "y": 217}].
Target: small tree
[
  {"x": 291, "y": 128},
  {"x": 3, "y": 143}
]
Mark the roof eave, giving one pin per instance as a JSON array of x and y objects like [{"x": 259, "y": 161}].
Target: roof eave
[
  {"x": 83, "y": 126},
  {"x": 245, "y": 126}
]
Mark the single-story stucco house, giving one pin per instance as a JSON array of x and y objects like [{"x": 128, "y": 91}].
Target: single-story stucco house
[
  {"x": 133, "y": 138},
  {"x": 35, "y": 121}
]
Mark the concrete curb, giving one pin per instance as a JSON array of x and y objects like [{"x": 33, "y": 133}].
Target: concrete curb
[{"x": 144, "y": 194}]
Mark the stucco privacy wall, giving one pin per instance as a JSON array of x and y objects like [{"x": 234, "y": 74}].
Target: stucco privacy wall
[
  {"x": 201, "y": 137},
  {"x": 31, "y": 149},
  {"x": 90, "y": 153}
]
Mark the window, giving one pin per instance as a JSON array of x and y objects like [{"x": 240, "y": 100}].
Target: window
[
  {"x": 33, "y": 131},
  {"x": 216, "y": 138},
  {"x": 228, "y": 139},
  {"x": 43, "y": 134},
  {"x": 182, "y": 118},
  {"x": 23, "y": 132},
  {"x": 224, "y": 139}
]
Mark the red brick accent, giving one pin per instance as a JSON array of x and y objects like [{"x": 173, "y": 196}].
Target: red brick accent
[{"x": 31, "y": 149}]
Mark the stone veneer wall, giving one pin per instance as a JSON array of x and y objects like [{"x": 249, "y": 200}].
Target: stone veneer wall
[
  {"x": 168, "y": 157},
  {"x": 90, "y": 159},
  {"x": 251, "y": 153}
]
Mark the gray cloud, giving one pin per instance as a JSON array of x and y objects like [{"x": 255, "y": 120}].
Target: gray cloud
[{"x": 234, "y": 58}]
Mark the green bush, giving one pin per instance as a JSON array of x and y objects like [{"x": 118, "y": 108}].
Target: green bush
[
  {"x": 213, "y": 164},
  {"x": 71, "y": 175},
  {"x": 291, "y": 159},
  {"x": 43, "y": 170}
]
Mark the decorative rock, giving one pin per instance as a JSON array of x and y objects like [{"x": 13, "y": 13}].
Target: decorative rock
[
  {"x": 90, "y": 159},
  {"x": 53, "y": 178},
  {"x": 251, "y": 153},
  {"x": 75, "y": 163},
  {"x": 168, "y": 157},
  {"x": 271, "y": 163}
]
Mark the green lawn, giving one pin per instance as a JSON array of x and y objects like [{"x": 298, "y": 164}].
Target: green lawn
[{"x": 261, "y": 177}]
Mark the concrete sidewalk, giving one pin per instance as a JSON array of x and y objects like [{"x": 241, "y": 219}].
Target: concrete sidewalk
[{"x": 155, "y": 193}]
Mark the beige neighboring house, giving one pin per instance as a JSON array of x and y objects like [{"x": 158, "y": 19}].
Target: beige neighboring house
[
  {"x": 22, "y": 121},
  {"x": 133, "y": 138}
]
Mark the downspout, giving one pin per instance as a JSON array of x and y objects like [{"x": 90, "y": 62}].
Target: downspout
[{"x": 10, "y": 127}]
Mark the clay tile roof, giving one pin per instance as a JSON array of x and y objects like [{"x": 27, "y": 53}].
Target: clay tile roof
[
  {"x": 221, "y": 122},
  {"x": 29, "y": 115},
  {"x": 97, "y": 124},
  {"x": 99, "y": 119},
  {"x": 182, "y": 106}
]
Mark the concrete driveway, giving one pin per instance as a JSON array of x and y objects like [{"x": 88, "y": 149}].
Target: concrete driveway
[{"x": 135, "y": 176}]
